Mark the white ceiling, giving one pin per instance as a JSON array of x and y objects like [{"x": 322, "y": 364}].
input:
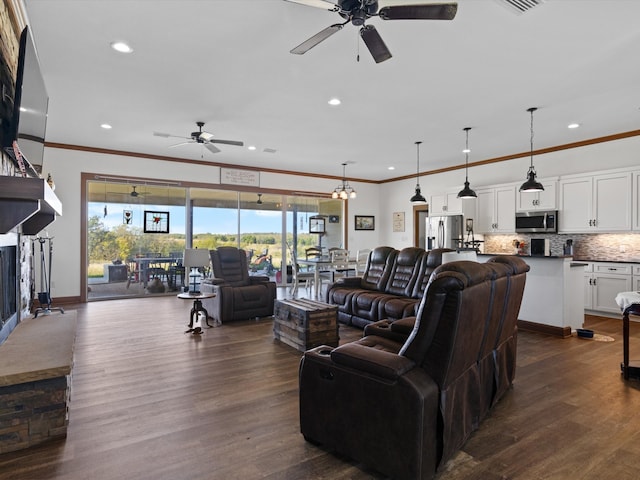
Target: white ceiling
[{"x": 227, "y": 63}]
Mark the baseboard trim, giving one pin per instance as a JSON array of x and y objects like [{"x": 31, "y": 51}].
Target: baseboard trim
[
  {"x": 562, "y": 332},
  {"x": 65, "y": 300}
]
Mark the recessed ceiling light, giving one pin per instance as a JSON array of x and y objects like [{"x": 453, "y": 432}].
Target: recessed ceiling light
[
  {"x": 106, "y": 126},
  {"x": 251, "y": 147},
  {"x": 391, "y": 168},
  {"x": 334, "y": 101},
  {"x": 121, "y": 47},
  {"x": 573, "y": 125},
  {"x": 466, "y": 150}
]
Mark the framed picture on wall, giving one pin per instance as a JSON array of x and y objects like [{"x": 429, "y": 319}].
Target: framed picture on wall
[
  {"x": 365, "y": 222},
  {"x": 316, "y": 225},
  {"x": 156, "y": 222}
]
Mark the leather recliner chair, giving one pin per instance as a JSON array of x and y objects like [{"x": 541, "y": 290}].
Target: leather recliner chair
[
  {"x": 405, "y": 409},
  {"x": 239, "y": 296}
]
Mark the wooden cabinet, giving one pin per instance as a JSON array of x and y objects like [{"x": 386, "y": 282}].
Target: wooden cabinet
[
  {"x": 445, "y": 204},
  {"x": 545, "y": 200},
  {"x": 603, "y": 281},
  {"x": 496, "y": 209},
  {"x": 600, "y": 203}
]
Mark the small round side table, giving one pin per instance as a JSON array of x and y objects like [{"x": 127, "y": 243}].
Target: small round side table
[{"x": 197, "y": 307}]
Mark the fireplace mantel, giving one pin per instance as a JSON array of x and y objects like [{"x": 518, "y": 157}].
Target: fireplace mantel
[{"x": 29, "y": 202}]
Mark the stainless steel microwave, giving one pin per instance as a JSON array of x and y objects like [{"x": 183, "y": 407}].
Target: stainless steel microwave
[{"x": 537, "y": 222}]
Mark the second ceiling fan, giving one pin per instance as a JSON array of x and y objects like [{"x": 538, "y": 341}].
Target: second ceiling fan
[
  {"x": 358, "y": 11},
  {"x": 204, "y": 138}
]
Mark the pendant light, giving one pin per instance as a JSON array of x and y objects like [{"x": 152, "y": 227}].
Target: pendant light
[
  {"x": 531, "y": 185},
  {"x": 466, "y": 192},
  {"x": 344, "y": 190},
  {"x": 418, "y": 199}
]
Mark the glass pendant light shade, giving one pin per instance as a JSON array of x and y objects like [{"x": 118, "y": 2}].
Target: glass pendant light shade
[
  {"x": 531, "y": 185},
  {"x": 466, "y": 192},
  {"x": 417, "y": 198}
]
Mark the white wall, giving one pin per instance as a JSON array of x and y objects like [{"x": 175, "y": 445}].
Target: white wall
[{"x": 380, "y": 201}]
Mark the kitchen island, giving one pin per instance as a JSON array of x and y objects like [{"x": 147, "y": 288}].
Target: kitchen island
[{"x": 553, "y": 300}]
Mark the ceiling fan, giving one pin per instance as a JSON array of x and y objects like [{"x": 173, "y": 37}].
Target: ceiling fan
[
  {"x": 358, "y": 11},
  {"x": 134, "y": 193},
  {"x": 203, "y": 138}
]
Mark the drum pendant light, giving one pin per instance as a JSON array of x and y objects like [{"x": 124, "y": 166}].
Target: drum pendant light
[
  {"x": 417, "y": 198},
  {"x": 466, "y": 192},
  {"x": 531, "y": 185}
]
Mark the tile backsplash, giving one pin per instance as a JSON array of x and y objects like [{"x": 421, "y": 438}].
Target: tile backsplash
[{"x": 624, "y": 247}]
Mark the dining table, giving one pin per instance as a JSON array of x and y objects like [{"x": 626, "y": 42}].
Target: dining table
[
  {"x": 144, "y": 267},
  {"x": 325, "y": 265}
]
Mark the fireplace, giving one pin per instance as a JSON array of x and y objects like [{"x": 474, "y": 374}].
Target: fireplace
[{"x": 9, "y": 285}]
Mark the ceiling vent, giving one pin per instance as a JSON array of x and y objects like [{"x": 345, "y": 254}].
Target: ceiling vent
[{"x": 520, "y": 6}]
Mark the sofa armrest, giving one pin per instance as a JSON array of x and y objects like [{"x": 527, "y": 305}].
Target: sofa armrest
[
  {"x": 372, "y": 360},
  {"x": 256, "y": 279},
  {"x": 213, "y": 281},
  {"x": 350, "y": 282}
]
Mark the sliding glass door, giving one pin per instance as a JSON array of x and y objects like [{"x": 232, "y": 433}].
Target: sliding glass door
[{"x": 137, "y": 232}]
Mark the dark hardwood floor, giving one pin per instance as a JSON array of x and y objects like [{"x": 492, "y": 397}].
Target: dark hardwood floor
[{"x": 150, "y": 402}]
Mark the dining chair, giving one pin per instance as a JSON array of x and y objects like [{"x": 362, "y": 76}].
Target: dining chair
[
  {"x": 361, "y": 260},
  {"x": 298, "y": 276},
  {"x": 340, "y": 266}
]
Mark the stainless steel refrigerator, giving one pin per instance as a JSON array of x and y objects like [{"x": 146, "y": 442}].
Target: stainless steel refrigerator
[{"x": 444, "y": 232}]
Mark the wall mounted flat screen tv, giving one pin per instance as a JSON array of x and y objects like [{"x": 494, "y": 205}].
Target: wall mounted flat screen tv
[{"x": 30, "y": 104}]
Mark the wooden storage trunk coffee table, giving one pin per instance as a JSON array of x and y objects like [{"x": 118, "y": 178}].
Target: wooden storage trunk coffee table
[{"x": 305, "y": 324}]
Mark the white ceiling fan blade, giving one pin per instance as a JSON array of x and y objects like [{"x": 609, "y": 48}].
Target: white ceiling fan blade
[
  {"x": 211, "y": 147},
  {"x": 167, "y": 135},
  {"x": 182, "y": 143},
  {"x": 325, "y": 5},
  {"x": 227, "y": 142}
]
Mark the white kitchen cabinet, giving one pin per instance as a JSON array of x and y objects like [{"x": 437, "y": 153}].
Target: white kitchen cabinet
[
  {"x": 636, "y": 278},
  {"x": 496, "y": 209},
  {"x": 604, "y": 282},
  {"x": 445, "y": 204},
  {"x": 596, "y": 203},
  {"x": 545, "y": 200}
]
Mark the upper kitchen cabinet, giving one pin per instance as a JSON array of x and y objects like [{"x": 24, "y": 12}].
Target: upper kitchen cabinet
[
  {"x": 445, "y": 204},
  {"x": 545, "y": 200},
  {"x": 595, "y": 203},
  {"x": 496, "y": 209}
]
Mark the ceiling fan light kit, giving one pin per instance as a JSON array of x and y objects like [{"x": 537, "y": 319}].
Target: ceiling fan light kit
[
  {"x": 344, "y": 190},
  {"x": 531, "y": 185},
  {"x": 357, "y": 12},
  {"x": 467, "y": 192},
  {"x": 417, "y": 198}
]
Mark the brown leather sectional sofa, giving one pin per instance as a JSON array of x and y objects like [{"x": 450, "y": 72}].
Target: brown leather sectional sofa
[
  {"x": 391, "y": 286},
  {"x": 405, "y": 408}
]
